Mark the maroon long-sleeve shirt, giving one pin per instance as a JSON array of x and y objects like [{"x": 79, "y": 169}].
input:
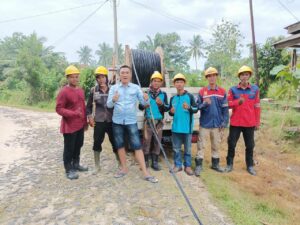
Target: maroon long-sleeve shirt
[{"x": 70, "y": 105}]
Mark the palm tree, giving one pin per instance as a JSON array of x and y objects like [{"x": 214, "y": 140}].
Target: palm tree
[
  {"x": 195, "y": 48},
  {"x": 85, "y": 56},
  {"x": 105, "y": 53},
  {"x": 147, "y": 45}
]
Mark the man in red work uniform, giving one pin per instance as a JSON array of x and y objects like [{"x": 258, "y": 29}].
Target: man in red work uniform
[
  {"x": 244, "y": 101},
  {"x": 71, "y": 106}
]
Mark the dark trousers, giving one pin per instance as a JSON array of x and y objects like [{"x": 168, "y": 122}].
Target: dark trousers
[
  {"x": 72, "y": 145},
  {"x": 99, "y": 133},
  {"x": 234, "y": 135}
]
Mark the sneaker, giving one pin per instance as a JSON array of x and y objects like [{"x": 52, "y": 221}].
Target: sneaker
[{"x": 176, "y": 169}]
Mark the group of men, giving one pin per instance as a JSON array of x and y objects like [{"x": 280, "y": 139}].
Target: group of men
[{"x": 113, "y": 110}]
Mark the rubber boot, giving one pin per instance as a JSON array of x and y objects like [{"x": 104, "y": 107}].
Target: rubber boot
[
  {"x": 146, "y": 156},
  {"x": 155, "y": 165},
  {"x": 97, "y": 162},
  {"x": 251, "y": 170},
  {"x": 215, "y": 165},
  {"x": 78, "y": 167},
  {"x": 198, "y": 168},
  {"x": 229, "y": 166}
]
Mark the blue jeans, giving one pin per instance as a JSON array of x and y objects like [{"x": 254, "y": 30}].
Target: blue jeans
[
  {"x": 177, "y": 140},
  {"x": 132, "y": 134}
]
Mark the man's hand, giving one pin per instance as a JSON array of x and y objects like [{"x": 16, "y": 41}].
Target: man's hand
[
  {"x": 158, "y": 101},
  {"x": 172, "y": 110},
  {"x": 185, "y": 105},
  {"x": 91, "y": 122},
  {"x": 207, "y": 100},
  {"x": 146, "y": 96},
  {"x": 241, "y": 100},
  {"x": 116, "y": 97}
]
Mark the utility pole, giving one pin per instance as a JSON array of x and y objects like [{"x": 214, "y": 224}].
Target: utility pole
[
  {"x": 257, "y": 78},
  {"x": 116, "y": 45}
]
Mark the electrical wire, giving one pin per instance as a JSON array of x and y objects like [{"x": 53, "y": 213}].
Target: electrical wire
[
  {"x": 49, "y": 13},
  {"x": 56, "y": 43}
]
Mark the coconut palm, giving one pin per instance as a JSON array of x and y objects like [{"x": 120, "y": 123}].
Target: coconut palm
[
  {"x": 196, "y": 44},
  {"x": 85, "y": 56},
  {"x": 105, "y": 53}
]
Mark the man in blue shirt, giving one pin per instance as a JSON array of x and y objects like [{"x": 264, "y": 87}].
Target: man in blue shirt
[
  {"x": 213, "y": 106},
  {"x": 182, "y": 108},
  {"x": 123, "y": 97}
]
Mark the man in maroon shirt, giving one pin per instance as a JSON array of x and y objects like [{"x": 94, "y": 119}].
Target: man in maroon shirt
[{"x": 70, "y": 105}]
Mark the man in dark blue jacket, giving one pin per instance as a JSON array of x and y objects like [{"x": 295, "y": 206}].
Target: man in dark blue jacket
[{"x": 213, "y": 106}]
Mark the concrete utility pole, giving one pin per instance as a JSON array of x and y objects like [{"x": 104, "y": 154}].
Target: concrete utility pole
[
  {"x": 257, "y": 78},
  {"x": 116, "y": 45}
]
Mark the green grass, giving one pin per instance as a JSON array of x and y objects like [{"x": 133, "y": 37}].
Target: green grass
[
  {"x": 242, "y": 207},
  {"x": 278, "y": 120},
  {"x": 18, "y": 99},
  {"x": 41, "y": 106}
]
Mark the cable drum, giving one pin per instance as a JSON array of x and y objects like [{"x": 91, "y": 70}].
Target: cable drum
[{"x": 145, "y": 64}]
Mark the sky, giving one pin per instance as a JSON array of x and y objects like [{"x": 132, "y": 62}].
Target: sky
[{"x": 135, "y": 22}]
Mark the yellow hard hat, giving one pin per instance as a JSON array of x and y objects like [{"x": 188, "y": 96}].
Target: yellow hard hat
[
  {"x": 156, "y": 74},
  {"x": 101, "y": 70},
  {"x": 210, "y": 70},
  {"x": 245, "y": 69},
  {"x": 71, "y": 70},
  {"x": 179, "y": 76}
]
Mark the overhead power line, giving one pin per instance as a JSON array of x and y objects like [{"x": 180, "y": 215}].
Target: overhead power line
[
  {"x": 49, "y": 13},
  {"x": 78, "y": 25},
  {"x": 288, "y": 10},
  {"x": 171, "y": 17}
]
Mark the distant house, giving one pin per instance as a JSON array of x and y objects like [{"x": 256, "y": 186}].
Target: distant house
[{"x": 293, "y": 41}]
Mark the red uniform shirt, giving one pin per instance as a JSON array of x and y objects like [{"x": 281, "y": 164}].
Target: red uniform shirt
[
  {"x": 70, "y": 105},
  {"x": 248, "y": 113}
]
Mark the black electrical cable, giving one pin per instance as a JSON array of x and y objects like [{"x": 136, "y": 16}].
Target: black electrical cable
[
  {"x": 174, "y": 175},
  {"x": 144, "y": 64}
]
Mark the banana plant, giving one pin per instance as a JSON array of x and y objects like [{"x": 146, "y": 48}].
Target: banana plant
[{"x": 289, "y": 79}]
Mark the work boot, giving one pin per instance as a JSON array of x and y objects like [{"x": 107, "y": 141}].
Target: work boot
[
  {"x": 146, "y": 156},
  {"x": 97, "y": 162},
  {"x": 251, "y": 170},
  {"x": 188, "y": 170},
  {"x": 215, "y": 165},
  {"x": 72, "y": 175},
  {"x": 155, "y": 165},
  {"x": 229, "y": 166},
  {"x": 198, "y": 168},
  {"x": 78, "y": 167}
]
